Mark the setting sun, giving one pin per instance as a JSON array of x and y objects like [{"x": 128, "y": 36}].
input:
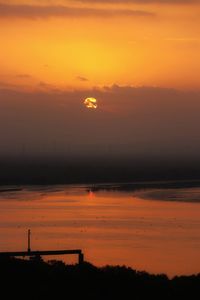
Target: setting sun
[{"x": 91, "y": 103}]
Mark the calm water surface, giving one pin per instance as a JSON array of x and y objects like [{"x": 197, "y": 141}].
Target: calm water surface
[{"x": 153, "y": 230}]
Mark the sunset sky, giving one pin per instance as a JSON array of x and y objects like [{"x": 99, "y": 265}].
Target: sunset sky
[
  {"x": 139, "y": 58},
  {"x": 84, "y": 43}
]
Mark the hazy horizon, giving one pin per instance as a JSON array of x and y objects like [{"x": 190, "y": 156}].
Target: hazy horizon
[{"x": 129, "y": 122}]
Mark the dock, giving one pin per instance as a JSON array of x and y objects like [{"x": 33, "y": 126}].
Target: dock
[
  {"x": 44, "y": 253},
  {"x": 37, "y": 254}
]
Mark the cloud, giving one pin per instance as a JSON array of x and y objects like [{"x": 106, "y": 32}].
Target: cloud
[
  {"x": 141, "y": 1},
  {"x": 36, "y": 11},
  {"x": 23, "y": 76},
  {"x": 7, "y": 85},
  {"x": 80, "y": 78}
]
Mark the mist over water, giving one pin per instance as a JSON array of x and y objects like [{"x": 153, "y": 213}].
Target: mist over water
[{"x": 100, "y": 169}]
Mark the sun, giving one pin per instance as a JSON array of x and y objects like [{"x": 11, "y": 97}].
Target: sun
[{"x": 90, "y": 103}]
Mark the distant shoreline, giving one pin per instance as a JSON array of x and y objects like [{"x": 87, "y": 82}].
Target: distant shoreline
[
  {"x": 172, "y": 190},
  {"x": 109, "y": 186},
  {"x": 138, "y": 185}
]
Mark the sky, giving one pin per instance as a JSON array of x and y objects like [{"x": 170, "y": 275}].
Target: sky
[
  {"x": 139, "y": 58},
  {"x": 82, "y": 44}
]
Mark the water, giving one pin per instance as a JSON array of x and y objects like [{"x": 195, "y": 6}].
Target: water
[{"x": 153, "y": 230}]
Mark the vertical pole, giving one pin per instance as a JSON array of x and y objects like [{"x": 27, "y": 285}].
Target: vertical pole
[
  {"x": 29, "y": 240},
  {"x": 80, "y": 258}
]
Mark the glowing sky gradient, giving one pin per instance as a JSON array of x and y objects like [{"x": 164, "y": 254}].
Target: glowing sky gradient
[{"x": 82, "y": 44}]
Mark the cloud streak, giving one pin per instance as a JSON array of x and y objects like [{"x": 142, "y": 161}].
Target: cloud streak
[
  {"x": 23, "y": 76},
  {"x": 141, "y": 1},
  {"x": 81, "y": 78},
  {"x": 37, "y": 11}
]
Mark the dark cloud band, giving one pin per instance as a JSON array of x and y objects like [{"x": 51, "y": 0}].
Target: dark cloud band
[
  {"x": 141, "y": 1},
  {"x": 36, "y": 11}
]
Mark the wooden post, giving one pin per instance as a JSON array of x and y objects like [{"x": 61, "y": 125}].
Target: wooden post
[
  {"x": 80, "y": 258},
  {"x": 29, "y": 241}
]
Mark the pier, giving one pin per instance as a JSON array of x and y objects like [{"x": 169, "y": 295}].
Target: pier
[
  {"x": 37, "y": 254},
  {"x": 43, "y": 253}
]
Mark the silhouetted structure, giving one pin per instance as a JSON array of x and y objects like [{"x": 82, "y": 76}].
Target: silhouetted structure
[
  {"x": 37, "y": 254},
  {"x": 29, "y": 240}
]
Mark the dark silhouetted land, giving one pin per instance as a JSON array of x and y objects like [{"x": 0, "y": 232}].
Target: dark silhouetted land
[{"x": 22, "y": 279}]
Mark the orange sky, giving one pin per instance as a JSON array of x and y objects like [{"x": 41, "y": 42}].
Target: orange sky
[{"x": 79, "y": 44}]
